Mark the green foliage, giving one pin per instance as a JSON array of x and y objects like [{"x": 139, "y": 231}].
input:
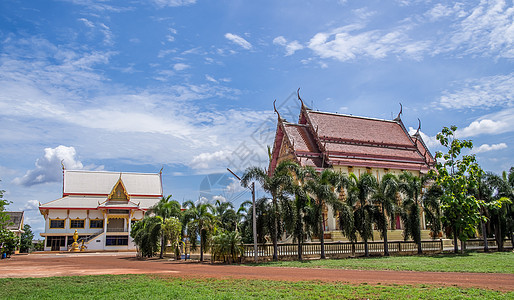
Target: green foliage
[
  {"x": 200, "y": 223},
  {"x": 457, "y": 178},
  {"x": 171, "y": 232},
  {"x": 26, "y": 239},
  {"x": 227, "y": 245},
  {"x": 167, "y": 208},
  {"x": 146, "y": 234},
  {"x": 385, "y": 196},
  {"x": 8, "y": 240},
  {"x": 166, "y": 287},
  {"x": 39, "y": 246},
  {"x": 276, "y": 185}
]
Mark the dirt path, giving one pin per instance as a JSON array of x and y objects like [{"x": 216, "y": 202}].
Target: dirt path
[{"x": 45, "y": 265}]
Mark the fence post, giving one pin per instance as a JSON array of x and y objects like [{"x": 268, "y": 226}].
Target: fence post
[
  {"x": 441, "y": 241},
  {"x": 399, "y": 247},
  {"x": 353, "y": 249}
]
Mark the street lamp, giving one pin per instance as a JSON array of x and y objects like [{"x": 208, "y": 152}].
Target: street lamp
[{"x": 254, "y": 221}]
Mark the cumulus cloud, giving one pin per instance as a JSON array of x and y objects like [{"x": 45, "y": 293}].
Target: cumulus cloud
[
  {"x": 487, "y": 147},
  {"x": 209, "y": 159},
  {"x": 487, "y": 92},
  {"x": 48, "y": 167},
  {"x": 291, "y": 47},
  {"x": 219, "y": 198},
  {"x": 238, "y": 40},
  {"x": 485, "y": 126},
  {"x": 31, "y": 205}
]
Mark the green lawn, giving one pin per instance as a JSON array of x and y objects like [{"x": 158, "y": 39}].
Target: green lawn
[
  {"x": 160, "y": 287},
  {"x": 497, "y": 262}
]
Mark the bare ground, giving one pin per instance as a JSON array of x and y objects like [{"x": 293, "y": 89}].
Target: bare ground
[{"x": 46, "y": 265}]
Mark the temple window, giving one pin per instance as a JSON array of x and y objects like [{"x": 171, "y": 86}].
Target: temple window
[
  {"x": 77, "y": 223},
  {"x": 56, "y": 223}
]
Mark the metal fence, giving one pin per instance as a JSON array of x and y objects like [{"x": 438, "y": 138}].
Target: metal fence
[
  {"x": 345, "y": 249},
  {"x": 337, "y": 249}
]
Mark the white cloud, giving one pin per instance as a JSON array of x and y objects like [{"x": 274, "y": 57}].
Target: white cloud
[
  {"x": 440, "y": 11},
  {"x": 220, "y": 198},
  {"x": 347, "y": 43},
  {"x": 181, "y": 66},
  {"x": 31, "y": 205},
  {"x": 291, "y": 47},
  {"x": 210, "y": 78},
  {"x": 487, "y": 147},
  {"x": 238, "y": 40},
  {"x": 235, "y": 186},
  {"x": 495, "y": 123},
  {"x": 87, "y": 22},
  {"x": 487, "y": 92},
  {"x": 488, "y": 29},
  {"x": 173, "y": 3},
  {"x": 209, "y": 159},
  {"x": 48, "y": 167}
]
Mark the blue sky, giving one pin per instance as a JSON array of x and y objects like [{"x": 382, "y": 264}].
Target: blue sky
[{"x": 189, "y": 85}]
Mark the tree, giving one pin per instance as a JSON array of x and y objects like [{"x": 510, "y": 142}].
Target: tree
[
  {"x": 358, "y": 198},
  {"x": 457, "y": 178},
  {"x": 321, "y": 189},
  {"x": 497, "y": 193},
  {"x": 200, "y": 223},
  {"x": 432, "y": 209},
  {"x": 227, "y": 245},
  {"x": 226, "y": 215},
  {"x": 146, "y": 234},
  {"x": 385, "y": 196},
  {"x": 171, "y": 231},
  {"x": 8, "y": 241},
  {"x": 26, "y": 239},
  {"x": 412, "y": 188},
  {"x": 166, "y": 208},
  {"x": 273, "y": 184}
]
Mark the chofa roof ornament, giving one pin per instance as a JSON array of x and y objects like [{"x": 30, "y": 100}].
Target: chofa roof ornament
[
  {"x": 275, "y": 108},
  {"x": 398, "y": 118},
  {"x": 299, "y": 98},
  {"x": 419, "y": 127}
]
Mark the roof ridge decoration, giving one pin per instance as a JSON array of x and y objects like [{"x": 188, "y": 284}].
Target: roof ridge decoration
[
  {"x": 299, "y": 98},
  {"x": 276, "y": 111},
  {"x": 398, "y": 118},
  {"x": 419, "y": 127}
]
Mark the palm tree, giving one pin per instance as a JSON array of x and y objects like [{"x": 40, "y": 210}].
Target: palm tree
[
  {"x": 359, "y": 193},
  {"x": 501, "y": 188},
  {"x": 226, "y": 215},
  {"x": 146, "y": 234},
  {"x": 200, "y": 222},
  {"x": 432, "y": 208},
  {"x": 321, "y": 188},
  {"x": 273, "y": 184},
  {"x": 385, "y": 196},
  {"x": 166, "y": 208},
  {"x": 412, "y": 187}
]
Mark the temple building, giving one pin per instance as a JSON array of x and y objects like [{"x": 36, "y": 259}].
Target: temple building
[
  {"x": 350, "y": 144},
  {"x": 101, "y": 206}
]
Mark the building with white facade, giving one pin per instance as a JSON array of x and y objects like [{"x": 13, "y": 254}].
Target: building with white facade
[{"x": 101, "y": 206}]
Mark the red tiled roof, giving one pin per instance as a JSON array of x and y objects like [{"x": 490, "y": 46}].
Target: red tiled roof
[
  {"x": 324, "y": 139},
  {"x": 351, "y": 128}
]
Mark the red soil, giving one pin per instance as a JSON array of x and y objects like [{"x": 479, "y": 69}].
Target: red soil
[{"x": 46, "y": 265}]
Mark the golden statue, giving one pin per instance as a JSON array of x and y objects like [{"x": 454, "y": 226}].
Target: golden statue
[{"x": 75, "y": 245}]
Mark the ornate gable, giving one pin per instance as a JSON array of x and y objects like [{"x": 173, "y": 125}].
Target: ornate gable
[{"x": 119, "y": 192}]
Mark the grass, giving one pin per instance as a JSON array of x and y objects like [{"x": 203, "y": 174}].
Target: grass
[
  {"x": 162, "y": 287},
  {"x": 497, "y": 262}
]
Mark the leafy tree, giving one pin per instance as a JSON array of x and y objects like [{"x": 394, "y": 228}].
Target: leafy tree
[
  {"x": 385, "y": 196},
  {"x": 171, "y": 231},
  {"x": 226, "y": 215},
  {"x": 321, "y": 188},
  {"x": 497, "y": 194},
  {"x": 166, "y": 208},
  {"x": 8, "y": 241},
  {"x": 457, "y": 178},
  {"x": 412, "y": 188},
  {"x": 26, "y": 239},
  {"x": 200, "y": 223},
  {"x": 39, "y": 246},
  {"x": 432, "y": 208},
  {"x": 146, "y": 234},
  {"x": 358, "y": 198},
  {"x": 275, "y": 185},
  {"x": 227, "y": 245}
]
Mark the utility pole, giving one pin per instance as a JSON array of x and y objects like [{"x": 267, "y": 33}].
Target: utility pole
[{"x": 254, "y": 220}]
